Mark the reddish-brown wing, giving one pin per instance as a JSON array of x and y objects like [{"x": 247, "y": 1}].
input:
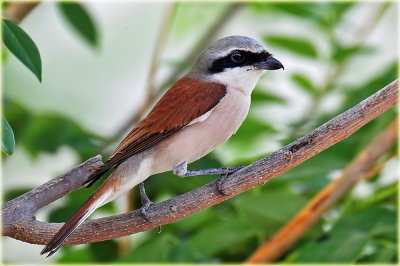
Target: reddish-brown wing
[{"x": 185, "y": 101}]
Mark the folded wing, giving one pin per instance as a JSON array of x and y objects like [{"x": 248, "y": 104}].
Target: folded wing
[{"x": 185, "y": 101}]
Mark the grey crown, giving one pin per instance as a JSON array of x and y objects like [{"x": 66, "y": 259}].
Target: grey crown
[{"x": 221, "y": 48}]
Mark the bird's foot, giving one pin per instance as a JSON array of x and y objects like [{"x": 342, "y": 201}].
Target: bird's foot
[
  {"x": 182, "y": 171},
  {"x": 220, "y": 181},
  {"x": 223, "y": 177},
  {"x": 146, "y": 202},
  {"x": 144, "y": 208}
]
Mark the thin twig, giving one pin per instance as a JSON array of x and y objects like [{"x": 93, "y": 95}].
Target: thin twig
[
  {"x": 325, "y": 199},
  {"x": 379, "y": 166},
  {"x": 18, "y": 10},
  {"x": 22, "y": 225}
]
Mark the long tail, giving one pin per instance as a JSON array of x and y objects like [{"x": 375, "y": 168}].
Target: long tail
[{"x": 99, "y": 197}]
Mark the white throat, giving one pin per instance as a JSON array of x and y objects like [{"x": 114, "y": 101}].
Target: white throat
[{"x": 243, "y": 78}]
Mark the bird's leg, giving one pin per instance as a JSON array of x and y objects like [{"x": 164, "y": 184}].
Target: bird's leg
[
  {"x": 146, "y": 202},
  {"x": 182, "y": 171}
]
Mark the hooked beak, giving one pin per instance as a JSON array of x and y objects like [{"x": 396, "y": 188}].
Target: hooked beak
[{"x": 269, "y": 63}]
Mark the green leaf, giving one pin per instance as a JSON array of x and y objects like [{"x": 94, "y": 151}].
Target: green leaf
[
  {"x": 383, "y": 194},
  {"x": 304, "y": 83},
  {"x": 382, "y": 252},
  {"x": 195, "y": 16},
  {"x": 49, "y": 132},
  {"x": 270, "y": 210},
  {"x": 332, "y": 13},
  {"x": 252, "y": 128},
  {"x": 46, "y": 132},
  {"x": 22, "y": 46},
  {"x": 156, "y": 250},
  {"x": 5, "y": 4},
  {"x": 301, "y": 10},
  {"x": 195, "y": 221},
  {"x": 261, "y": 96},
  {"x": 80, "y": 20},
  {"x": 341, "y": 53},
  {"x": 219, "y": 236},
  {"x": 76, "y": 255},
  {"x": 356, "y": 94},
  {"x": 183, "y": 253},
  {"x": 249, "y": 134},
  {"x": 104, "y": 251},
  {"x": 8, "y": 139},
  {"x": 322, "y": 14},
  {"x": 62, "y": 214},
  {"x": 295, "y": 45},
  {"x": 4, "y": 55}
]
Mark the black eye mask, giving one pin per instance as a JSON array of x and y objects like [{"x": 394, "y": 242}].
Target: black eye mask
[{"x": 247, "y": 59}]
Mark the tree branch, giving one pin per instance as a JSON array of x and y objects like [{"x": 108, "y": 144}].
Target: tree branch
[
  {"x": 326, "y": 198},
  {"x": 25, "y": 205},
  {"x": 17, "y": 224}
]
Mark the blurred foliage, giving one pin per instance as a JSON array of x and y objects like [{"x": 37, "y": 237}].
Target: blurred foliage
[
  {"x": 324, "y": 15},
  {"x": 298, "y": 46},
  {"x": 303, "y": 82},
  {"x": 187, "y": 17},
  {"x": 358, "y": 229},
  {"x": 22, "y": 46},
  {"x": 362, "y": 230},
  {"x": 46, "y": 132}
]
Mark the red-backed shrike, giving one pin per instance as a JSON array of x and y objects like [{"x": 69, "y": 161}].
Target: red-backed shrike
[{"x": 199, "y": 112}]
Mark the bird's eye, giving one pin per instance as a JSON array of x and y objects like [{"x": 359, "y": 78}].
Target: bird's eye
[{"x": 237, "y": 57}]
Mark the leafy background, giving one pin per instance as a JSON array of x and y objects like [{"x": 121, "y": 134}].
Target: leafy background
[{"x": 95, "y": 60}]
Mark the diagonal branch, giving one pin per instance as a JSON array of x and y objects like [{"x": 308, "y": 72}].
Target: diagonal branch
[
  {"x": 325, "y": 199},
  {"x": 22, "y": 225}
]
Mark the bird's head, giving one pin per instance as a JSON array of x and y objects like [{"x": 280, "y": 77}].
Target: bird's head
[{"x": 234, "y": 60}]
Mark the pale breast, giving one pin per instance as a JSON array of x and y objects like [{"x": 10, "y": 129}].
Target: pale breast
[{"x": 199, "y": 138}]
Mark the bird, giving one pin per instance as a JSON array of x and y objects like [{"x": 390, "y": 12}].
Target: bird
[{"x": 201, "y": 111}]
